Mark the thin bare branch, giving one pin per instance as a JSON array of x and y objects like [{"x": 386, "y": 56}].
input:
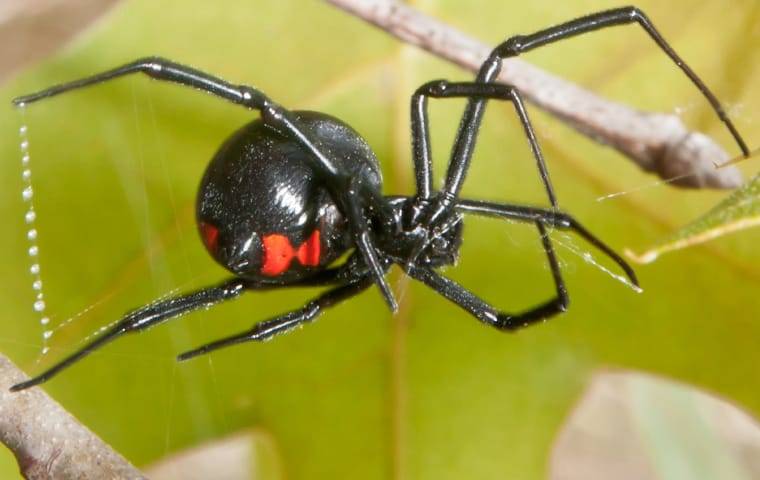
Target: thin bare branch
[
  {"x": 48, "y": 441},
  {"x": 30, "y": 30},
  {"x": 656, "y": 142}
]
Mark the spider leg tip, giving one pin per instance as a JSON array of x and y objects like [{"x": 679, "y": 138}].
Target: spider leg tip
[
  {"x": 187, "y": 355},
  {"x": 634, "y": 280},
  {"x": 24, "y": 385},
  {"x": 387, "y": 294},
  {"x": 190, "y": 354},
  {"x": 393, "y": 305},
  {"x": 24, "y": 100}
]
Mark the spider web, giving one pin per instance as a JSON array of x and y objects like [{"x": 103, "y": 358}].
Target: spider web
[{"x": 134, "y": 177}]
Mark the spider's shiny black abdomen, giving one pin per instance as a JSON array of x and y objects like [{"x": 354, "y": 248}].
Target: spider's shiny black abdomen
[{"x": 262, "y": 211}]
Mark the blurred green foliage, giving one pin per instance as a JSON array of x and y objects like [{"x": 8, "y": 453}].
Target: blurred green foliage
[
  {"x": 737, "y": 212},
  {"x": 429, "y": 393}
]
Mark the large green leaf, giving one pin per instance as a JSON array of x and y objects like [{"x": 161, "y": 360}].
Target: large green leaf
[{"x": 428, "y": 393}]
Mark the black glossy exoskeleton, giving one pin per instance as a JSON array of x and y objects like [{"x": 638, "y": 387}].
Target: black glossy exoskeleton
[
  {"x": 289, "y": 193},
  {"x": 262, "y": 210}
]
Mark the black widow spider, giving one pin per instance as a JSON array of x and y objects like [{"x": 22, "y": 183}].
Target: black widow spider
[{"x": 307, "y": 179}]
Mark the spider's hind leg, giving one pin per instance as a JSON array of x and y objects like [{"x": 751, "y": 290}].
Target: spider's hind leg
[
  {"x": 143, "y": 318},
  {"x": 287, "y": 321},
  {"x": 348, "y": 194}
]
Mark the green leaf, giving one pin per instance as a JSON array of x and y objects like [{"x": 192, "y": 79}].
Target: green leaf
[
  {"x": 739, "y": 211},
  {"x": 430, "y": 392}
]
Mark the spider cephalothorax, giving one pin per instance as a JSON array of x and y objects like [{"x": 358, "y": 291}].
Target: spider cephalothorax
[{"x": 287, "y": 195}]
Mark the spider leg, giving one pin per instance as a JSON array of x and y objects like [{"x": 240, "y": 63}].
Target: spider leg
[
  {"x": 285, "y": 322},
  {"x": 352, "y": 206},
  {"x": 545, "y": 217},
  {"x": 421, "y": 151},
  {"x": 142, "y": 319},
  {"x": 445, "y": 89},
  {"x": 166, "y": 70},
  {"x": 464, "y": 143},
  {"x": 484, "y": 311},
  {"x": 338, "y": 183},
  {"x": 618, "y": 16}
]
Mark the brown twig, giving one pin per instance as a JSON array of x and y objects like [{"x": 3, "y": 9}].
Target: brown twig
[
  {"x": 33, "y": 29},
  {"x": 47, "y": 441},
  {"x": 656, "y": 142}
]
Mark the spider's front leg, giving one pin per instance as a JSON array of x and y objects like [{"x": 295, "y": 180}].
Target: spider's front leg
[
  {"x": 519, "y": 44},
  {"x": 542, "y": 218},
  {"x": 516, "y": 45},
  {"x": 464, "y": 143},
  {"x": 144, "y": 318},
  {"x": 547, "y": 218},
  {"x": 436, "y": 217}
]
